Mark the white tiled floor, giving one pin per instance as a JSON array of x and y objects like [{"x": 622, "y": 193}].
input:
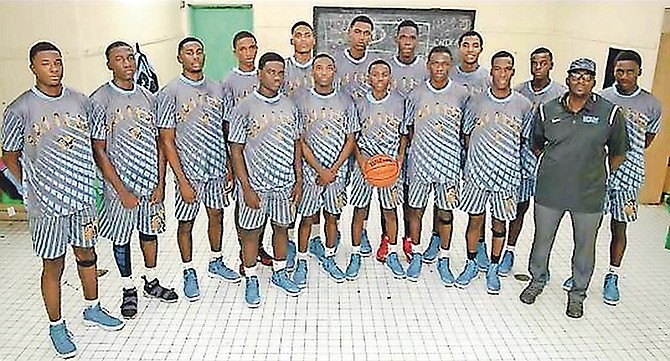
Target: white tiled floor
[{"x": 373, "y": 318}]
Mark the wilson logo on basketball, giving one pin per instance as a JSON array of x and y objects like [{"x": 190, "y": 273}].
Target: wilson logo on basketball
[{"x": 381, "y": 170}]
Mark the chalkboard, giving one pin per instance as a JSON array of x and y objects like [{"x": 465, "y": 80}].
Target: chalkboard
[{"x": 436, "y": 27}]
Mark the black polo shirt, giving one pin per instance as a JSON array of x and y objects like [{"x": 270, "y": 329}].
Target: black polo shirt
[{"x": 572, "y": 171}]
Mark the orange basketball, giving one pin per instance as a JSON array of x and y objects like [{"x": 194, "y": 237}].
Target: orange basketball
[{"x": 381, "y": 170}]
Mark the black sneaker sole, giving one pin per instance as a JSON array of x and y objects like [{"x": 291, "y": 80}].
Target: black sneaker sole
[{"x": 150, "y": 296}]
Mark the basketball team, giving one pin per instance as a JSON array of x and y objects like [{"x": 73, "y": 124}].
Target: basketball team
[{"x": 287, "y": 136}]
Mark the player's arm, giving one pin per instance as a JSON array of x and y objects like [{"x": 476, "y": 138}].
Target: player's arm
[
  {"x": 617, "y": 143},
  {"x": 309, "y": 156},
  {"x": 238, "y": 139},
  {"x": 167, "y": 142},
  {"x": 345, "y": 153},
  {"x": 648, "y": 139},
  {"x": 158, "y": 195},
  {"x": 101, "y": 158},
  {"x": 404, "y": 139},
  {"x": 297, "y": 168},
  {"x": 11, "y": 159},
  {"x": 653, "y": 126},
  {"x": 537, "y": 138}
]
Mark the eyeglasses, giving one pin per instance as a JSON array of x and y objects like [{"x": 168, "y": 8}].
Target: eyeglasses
[{"x": 581, "y": 76}]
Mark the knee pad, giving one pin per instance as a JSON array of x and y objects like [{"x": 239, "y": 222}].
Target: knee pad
[
  {"x": 86, "y": 263},
  {"x": 148, "y": 238},
  {"x": 444, "y": 219},
  {"x": 497, "y": 234}
]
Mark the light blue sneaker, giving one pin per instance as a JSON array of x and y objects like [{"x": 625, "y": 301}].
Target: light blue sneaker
[
  {"x": 470, "y": 273},
  {"x": 217, "y": 269},
  {"x": 290, "y": 255},
  {"x": 98, "y": 316},
  {"x": 430, "y": 255},
  {"x": 332, "y": 270},
  {"x": 393, "y": 263},
  {"x": 482, "y": 257},
  {"x": 280, "y": 280},
  {"x": 492, "y": 279},
  {"x": 366, "y": 248},
  {"x": 354, "y": 267},
  {"x": 252, "y": 293},
  {"x": 506, "y": 264},
  {"x": 300, "y": 274},
  {"x": 316, "y": 249},
  {"x": 62, "y": 341},
  {"x": 445, "y": 273},
  {"x": 191, "y": 289},
  {"x": 414, "y": 268},
  {"x": 568, "y": 284},
  {"x": 611, "y": 294}
]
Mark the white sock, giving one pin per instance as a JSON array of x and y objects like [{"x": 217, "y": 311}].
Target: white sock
[
  {"x": 57, "y": 322},
  {"x": 613, "y": 269},
  {"x": 216, "y": 254},
  {"x": 365, "y": 224},
  {"x": 278, "y": 265},
  {"x": 510, "y": 248},
  {"x": 356, "y": 249},
  {"x": 302, "y": 255},
  {"x": 187, "y": 265},
  {"x": 127, "y": 282},
  {"x": 444, "y": 253},
  {"x": 291, "y": 233},
  {"x": 150, "y": 273},
  {"x": 397, "y": 248},
  {"x": 331, "y": 251},
  {"x": 251, "y": 271},
  {"x": 416, "y": 248},
  {"x": 91, "y": 303},
  {"x": 314, "y": 231}
]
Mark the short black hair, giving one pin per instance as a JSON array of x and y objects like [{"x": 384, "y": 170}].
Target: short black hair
[
  {"x": 268, "y": 57},
  {"x": 42, "y": 46},
  {"x": 188, "y": 39},
  {"x": 471, "y": 33},
  {"x": 631, "y": 55},
  {"x": 407, "y": 24},
  {"x": 379, "y": 62},
  {"x": 502, "y": 54},
  {"x": 439, "y": 49},
  {"x": 114, "y": 45},
  {"x": 543, "y": 50},
  {"x": 301, "y": 23},
  {"x": 242, "y": 35},
  {"x": 323, "y": 55},
  {"x": 362, "y": 19}
]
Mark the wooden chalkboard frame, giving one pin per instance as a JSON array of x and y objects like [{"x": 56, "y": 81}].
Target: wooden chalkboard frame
[{"x": 331, "y": 34}]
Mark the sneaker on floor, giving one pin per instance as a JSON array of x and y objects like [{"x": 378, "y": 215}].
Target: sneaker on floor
[
  {"x": 252, "y": 295},
  {"x": 333, "y": 271},
  {"x": 281, "y": 280},
  {"x": 316, "y": 249},
  {"x": 264, "y": 257},
  {"x": 154, "y": 289},
  {"x": 445, "y": 273},
  {"x": 470, "y": 273},
  {"x": 414, "y": 268},
  {"x": 383, "y": 249},
  {"x": 354, "y": 267},
  {"x": 62, "y": 340},
  {"x": 482, "y": 257},
  {"x": 98, "y": 316},
  {"x": 568, "y": 284},
  {"x": 393, "y": 263},
  {"x": 506, "y": 264},
  {"x": 218, "y": 269},
  {"x": 530, "y": 293},
  {"x": 129, "y": 303},
  {"x": 191, "y": 289},
  {"x": 366, "y": 248},
  {"x": 575, "y": 309},
  {"x": 290, "y": 255},
  {"x": 300, "y": 274},
  {"x": 611, "y": 294},
  {"x": 492, "y": 279},
  {"x": 407, "y": 248},
  {"x": 430, "y": 255}
]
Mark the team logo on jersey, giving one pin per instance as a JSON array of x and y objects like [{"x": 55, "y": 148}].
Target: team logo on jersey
[
  {"x": 65, "y": 142},
  {"x": 157, "y": 220},
  {"x": 89, "y": 231},
  {"x": 135, "y": 132},
  {"x": 452, "y": 195},
  {"x": 509, "y": 204},
  {"x": 590, "y": 119},
  {"x": 339, "y": 200},
  {"x": 630, "y": 208}
]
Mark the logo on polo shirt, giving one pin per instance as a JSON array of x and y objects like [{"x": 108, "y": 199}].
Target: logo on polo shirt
[{"x": 590, "y": 119}]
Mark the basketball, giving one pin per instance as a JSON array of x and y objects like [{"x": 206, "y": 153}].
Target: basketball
[{"x": 381, "y": 170}]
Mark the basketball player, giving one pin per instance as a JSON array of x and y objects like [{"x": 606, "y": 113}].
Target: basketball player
[{"x": 299, "y": 65}]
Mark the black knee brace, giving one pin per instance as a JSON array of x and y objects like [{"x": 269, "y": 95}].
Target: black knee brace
[
  {"x": 88, "y": 262},
  {"x": 148, "y": 238},
  {"x": 443, "y": 221},
  {"x": 497, "y": 234}
]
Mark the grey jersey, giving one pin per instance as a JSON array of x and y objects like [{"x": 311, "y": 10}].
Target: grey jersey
[
  {"x": 406, "y": 77},
  {"x": 476, "y": 81},
  {"x": 128, "y": 125},
  {"x": 193, "y": 109},
  {"x": 236, "y": 86},
  {"x": 54, "y": 136},
  {"x": 382, "y": 123},
  {"x": 352, "y": 74},
  {"x": 296, "y": 76}
]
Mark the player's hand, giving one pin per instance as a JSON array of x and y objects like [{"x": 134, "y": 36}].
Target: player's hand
[
  {"x": 296, "y": 192},
  {"x": 158, "y": 195},
  {"x": 252, "y": 199},
  {"x": 400, "y": 160},
  {"x": 327, "y": 178},
  {"x": 187, "y": 192},
  {"x": 230, "y": 184},
  {"x": 128, "y": 199}
]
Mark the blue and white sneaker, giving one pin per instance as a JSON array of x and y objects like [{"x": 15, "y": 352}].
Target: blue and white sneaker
[
  {"x": 414, "y": 268},
  {"x": 393, "y": 263},
  {"x": 98, "y": 316},
  {"x": 611, "y": 295},
  {"x": 470, "y": 273},
  {"x": 217, "y": 269},
  {"x": 252, "y": 293},
  {"x": 63, "y": 341},
  {"x": 366, "y": 248},
  {"x": 492, "y": 279},
  {"x": 354, "y": 267},
  {"x": 290, "y": 255},
  {"x": 569, "y": 284},
  {"x": 330, "y": 267},
  {"x": 445, "y": 273},
  {"x": 316, "y": 249},
  {"x": 191, "y": 289},
  {"x": 300, "y": 274},
  {"x": 280, "y": 280},
  {"x": 506, "y": 264},
  {"x": 482, "y": 258},
  {"x": 430, "y": 255}
]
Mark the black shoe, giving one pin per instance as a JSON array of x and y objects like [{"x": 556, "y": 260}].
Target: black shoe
[
  {"x": 530, "y": 293},
  {"x": 153, "y": 289},
  {"x": 129, "y": 303},
  {"x": 575, "y": 309}
]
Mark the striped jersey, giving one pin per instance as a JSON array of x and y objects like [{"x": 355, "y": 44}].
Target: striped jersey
[
  {"x": 382, "y": 123},
  {"x": 496, "y": 128},
  {"x": 128, "y": 125},
  {"x": 476, "y": 81},
  {"x": 268, "y": 128},
  {"x": 236, "y": 86},
  {"x": 326, "y": 120},
  {"x": 406, "y": 77},
  {"x": 54, "y": 136},
  {"x": 437, "y": 118},
  {"x": 352, "y": 74},
  {"x": 643, "y": 115},
  {"x": 296, "y": 76},
  {"x": 194, "y": 109}
]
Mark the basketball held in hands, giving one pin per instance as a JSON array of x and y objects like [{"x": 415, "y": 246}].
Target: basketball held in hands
[{"x": 381, "y": 170}]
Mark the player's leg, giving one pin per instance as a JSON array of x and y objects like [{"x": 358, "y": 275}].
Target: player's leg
[
  {"x": 361, "y": 195},
  {"x": 446, "y": 199},
  {"x": 333, "y": 198},
  {"x": 186, "y": 214},
  {"x": 503, "y": 210},
  {"x": 482, "y": 257},
  {"x": 623, "y": 208},
  {"x": 417, "y": 200},
  {"x": 473, "y": 202},
  {"x": 525, "y": 193},
  {"x": 281, "y": 211},
  {"x": 214, "y": 198},
  {"x": 431, "y": 252},
  {"x": 250, "y": 222}
]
